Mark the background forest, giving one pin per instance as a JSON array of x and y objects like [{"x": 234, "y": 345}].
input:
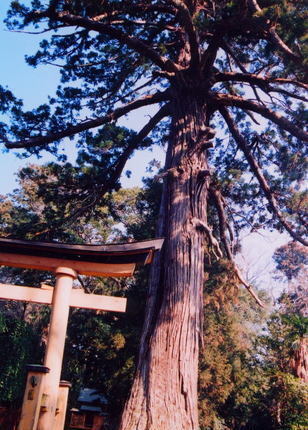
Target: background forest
[{"x": 253, "y": 364}]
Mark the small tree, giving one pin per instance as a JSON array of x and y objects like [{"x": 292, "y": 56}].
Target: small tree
[
  {"x": 291, "y": 260},
  {"x": 205, "y": 65},
  {"x": 229, "y": 378},
  {"x": 285, "y": 396}
]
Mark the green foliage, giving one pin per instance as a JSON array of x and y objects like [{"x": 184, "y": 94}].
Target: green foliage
[
  {"x": 242, "y": 376},
  {"x": 19, "y": 347},
  {"x": 286, "y": 400},
  {"x": 147, "y": 206},
  {"x": 248, "y": 378},
  {"x": 246, "y": 381},
  {"x": 291, "y": 259},
  {"x": 229, "y": 381},
  {"x": 282, "y": 351},
  {"x": 100, "y": 347},
  {"x": 100, "y": 353},
  {"x": 101, "y": 70}
]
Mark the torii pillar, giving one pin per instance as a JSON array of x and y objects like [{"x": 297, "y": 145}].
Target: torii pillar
[
  {"x": 66, "y": 261},
  {"x": 56, "y": 341}
]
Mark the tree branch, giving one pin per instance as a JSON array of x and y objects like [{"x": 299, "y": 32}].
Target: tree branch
[
  {"x": 273, "y": 36},
  {"x": 277, "y": 118},
  {"x": 37, "y": 32},
  {"x": 83, "y": 285},
  {"x": 158, "y": 25},
  {"x": 223, "y": 225},
  {"x": 117, "y": 169},
  {"x": 229, "y": 51},
  {"x": 119, "y": 166},
  {"x": 86, "y": 125},
  {"x": 143, "y": 7},
  {"x": 209, "y": 56},
  {"x": 287, "y": 93},
  {"x": 131, "y": 41},
  {"x": 225, "y": 46},
  {"x": 259, "y": 175},
  {"x": 218, "y": 201},
  {"x": 247, "y": 286},
  {"x": 187, "y": 22},
  {"x": 203, "y": 226},
  {"x": 256, "y": 79}
]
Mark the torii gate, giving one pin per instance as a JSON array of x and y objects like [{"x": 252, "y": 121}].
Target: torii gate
[{"x": 44, "y": 404}]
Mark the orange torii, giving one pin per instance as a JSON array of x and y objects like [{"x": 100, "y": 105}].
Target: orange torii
[{"x": 45, "y": 399}]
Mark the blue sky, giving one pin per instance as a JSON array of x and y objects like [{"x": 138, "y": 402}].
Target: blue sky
[{"x": 27, "y": 83}]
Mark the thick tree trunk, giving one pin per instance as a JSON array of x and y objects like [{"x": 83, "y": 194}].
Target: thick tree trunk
[
  {"x": 299, "y": 362},
  {"x": 164, "y": 393}
]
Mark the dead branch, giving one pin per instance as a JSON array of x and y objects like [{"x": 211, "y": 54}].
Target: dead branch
[
  {"x": 199, "y": 224},
  {"x": 247, "y": 286},
  {"x": 218, "y": 201},
  {"x": 223, "y": 225}
]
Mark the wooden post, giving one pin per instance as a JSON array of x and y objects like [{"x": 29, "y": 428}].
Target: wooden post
[
  {"x": 32, "y": 397},
  {"x": 55, "y": 345},
  {"x": 62, "y": 404}
]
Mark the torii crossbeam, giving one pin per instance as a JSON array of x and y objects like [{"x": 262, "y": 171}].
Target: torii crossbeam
[{"x": 66, "y": 261}]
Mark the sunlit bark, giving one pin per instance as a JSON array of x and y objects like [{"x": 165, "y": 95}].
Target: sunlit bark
[{"x": 164, "y": 394}]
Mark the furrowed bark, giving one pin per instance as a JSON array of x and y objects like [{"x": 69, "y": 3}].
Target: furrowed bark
[
  {"x": 164, "y": 393},
  {"x": 299, "y": 362}
]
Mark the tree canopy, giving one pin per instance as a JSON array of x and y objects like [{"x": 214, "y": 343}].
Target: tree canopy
[{"x": 243, "y": 59}]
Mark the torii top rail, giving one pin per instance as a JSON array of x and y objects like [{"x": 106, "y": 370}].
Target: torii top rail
[{"x": 92, "y": 260}]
